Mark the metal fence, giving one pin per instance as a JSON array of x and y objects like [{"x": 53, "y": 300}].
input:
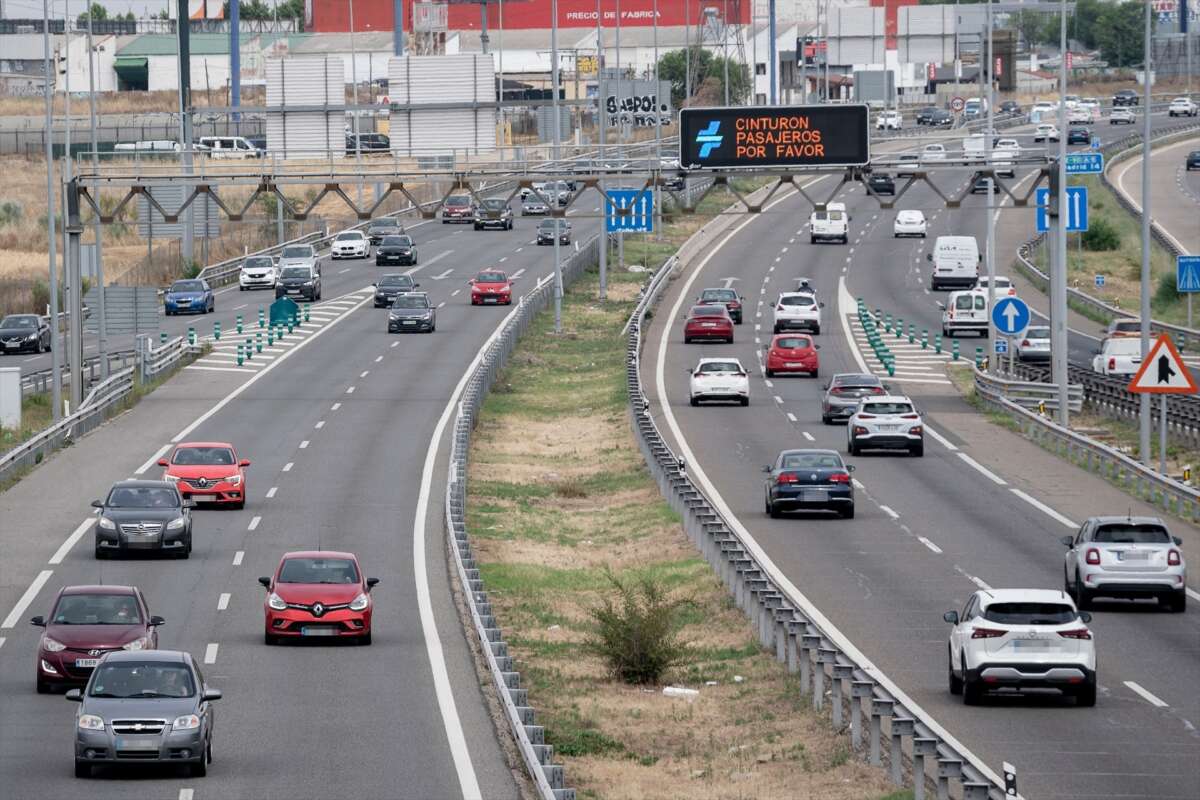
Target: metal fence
[{"x": 881, "y": 716}]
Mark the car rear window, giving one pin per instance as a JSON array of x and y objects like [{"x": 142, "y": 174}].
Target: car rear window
[
  {"x": 1128, "y": 533},
  {"x": 708, "y": 311},
  {"x": 720, "y": 366},
  {"x": 718, "y": 294},
  {"x": 794, "y": 343},
  {"x": 965, "y": 302},
  {"x": 1030, "y": 613},
  {"x": 803, "y": 300},
  {"x": 812, "y": 461},
  {"x": 888, "y": 408},
  {"x": 858, "y": 382},
  {"x": 1037, "y": 333}
]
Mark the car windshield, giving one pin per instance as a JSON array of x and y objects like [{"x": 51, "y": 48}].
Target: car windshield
[
  {"x": 96, "y": 609},
  {"x": 294, "y": 272},
  {"x": 300, "y": 251},
  {"x": 395, "y": 280},
  {"x": 1030, "y": 613},
  {"x": 1037, "y": 333},
  {"x": 187, "y": 286},
  {"x": 804, "y": 300},
  {"x": 495, "y": 205},
  {"x": 490, "y": 277},
  {"x": 350, "y": 236},
  {"x": 397, "y": 241},
  {"x": 794, "y": 343},
  {"x": 458, "y": 200},
  {"x": 142, "y": 497},
  {"x": 1131, "y": 533},
  {"x": 708, "y": 311},
  {"x": 256, "y": 262},
  {"x": 204, "y": 456},
  {"x": 318, "y": 570},
  {"x": 142, "y": 679},
  {"x": 384, "y": 223},
  {"x": 887, "y": 408},
  {"x": 857, "y": 382},
  {"x": 812, "y": 461},
  {"x": 19, "y": 322},
  {"x": 1126, "y": 346},
  {"x": 415, "y": 301},
  {"x": 719, "y": 295},
  {"x": 720, "y": 366}
]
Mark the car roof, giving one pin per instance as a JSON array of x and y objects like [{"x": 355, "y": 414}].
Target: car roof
[
  {"x": 98, "y": 589},
  {"x": 1111, "y": 520},
  {"x": 858, "y": 376},
  {"x": 888, "y": 398},
  {"x": 204, "y": 444},
  {"x": 716, "y": 359},
  {"x": 990, "y": 596},
  {"x": 318, "y": 554},
  {"x": 144, "y": 484},
  {"x": 168, "y": 656}
]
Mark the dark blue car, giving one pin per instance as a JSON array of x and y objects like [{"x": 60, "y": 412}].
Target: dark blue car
[
  {"x": 803, "y": 480},
  {"x": 193, "y": 296}
]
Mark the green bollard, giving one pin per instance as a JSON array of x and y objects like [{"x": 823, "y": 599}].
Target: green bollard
[
  {"x": 937, "y": 343},
  {"x": 239, "y": 323},
  {"x": 249, "y": 349},
  {"x": 289, "y": 324},
  {"x": 899, "y": 327},
  {"x": 270, "y": 337},
  {"x": 240, "y": 354},
  {"x": 924, "y": 339},
  {"x": 258, "y": 342},
  {"x": 306, "y": 307},
  {"x": 912, "y": 333},
  {"x": 891, "y": 369},
  {"x": 954, "y": 349},
  {"x": 192, "y": 335},
  {"x": 979, "y": 357},
  {"x": 262, "y": 317},
  {"x": 217, "y": 330},
  {"x": 887, "y": 322},
  {"x": 162, "y": 337}
]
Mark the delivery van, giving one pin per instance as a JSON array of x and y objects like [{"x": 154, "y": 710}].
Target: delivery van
[{"x": 955, "y": 262}]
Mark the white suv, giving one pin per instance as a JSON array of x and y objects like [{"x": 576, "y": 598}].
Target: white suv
[
  {"x": 719, "y": 379},
  {"x": 890, "y": 422},
  {"x": 350, "y": 244},
  {"x": 889, "y": 120},
  {"x": 257, "y": 272},
  {"x": 1182, "y": 107},
  {"x": 1125, "y": 557},
  {"x": 798, "y": 311},
  {"x": 1021, "y": 638}
]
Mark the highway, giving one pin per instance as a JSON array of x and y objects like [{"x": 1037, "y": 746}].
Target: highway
[
  {"x": 982, "y": 508},
  {"x": 345, "y": 435},
  {"x": 1174, "y": 192}
]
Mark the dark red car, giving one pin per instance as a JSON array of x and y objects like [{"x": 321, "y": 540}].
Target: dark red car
[
  {"x": 458, "y": 208},
  {"x": 711, "y": 322},
  {"x": 317, "y": 594},
  {"x": 207, "y": 472},
  {"x": 86, "y": 622},
  {"x": 727, "y": 297},
  {"x": 491, "y": 286},
  {"x": 790, "y": 352}
]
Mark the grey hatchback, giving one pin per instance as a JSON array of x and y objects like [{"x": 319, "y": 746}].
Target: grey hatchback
[
  {"x": 144, "y": 707},
  {"x": 842, "y": 394}
]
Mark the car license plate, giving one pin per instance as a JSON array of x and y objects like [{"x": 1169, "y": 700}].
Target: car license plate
[
  {"x": 86, "y": 663},
  {"x": 410, "y": 322},
  {"x": 708, "y": 324},
  {"x": 813, "y": 496},
  {"x": 889, "y": 427},
  {"x": 137, "y": 742},
  {"x": 12, "y": 345},
  {"x": 1132, "y": 555},
  {"x": 489, "y": 300},
  {"x": 793, "y": 364},
  {"x": 318, "y": 630}
]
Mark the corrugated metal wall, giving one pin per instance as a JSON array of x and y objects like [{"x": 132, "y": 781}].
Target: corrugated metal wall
[
  {"x": 315, "y": 80},
  {"x": 465, "y": 78}
]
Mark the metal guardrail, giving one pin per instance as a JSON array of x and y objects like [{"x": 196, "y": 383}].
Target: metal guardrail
[
  {"x": 1098, "y": 458},
  {"x": 154, "y": 360},
  {"x": 791, "y": 626},
  {"x": 1028, "y": 394},
  {"x": 38, "y": 382},
  {"x": 549, "y": 778}
]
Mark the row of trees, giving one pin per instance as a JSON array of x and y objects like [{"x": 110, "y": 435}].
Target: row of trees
[{"x": 253, "y": 10}]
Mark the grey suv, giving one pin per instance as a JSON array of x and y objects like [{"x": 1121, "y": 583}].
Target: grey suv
[
  {"x": 842, "y": 394},
  {"x": 144, "y": 707}
]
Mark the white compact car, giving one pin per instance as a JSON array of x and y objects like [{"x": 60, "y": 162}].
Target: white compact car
[
  {"x": 890, "y": 422},
  {"x": 965, "y": 311},
  {"x": 1122, "y": 116},
  {"x": 257, "y": 272},
  {"x": 1118, "y": 355},
  {"x": 1003, "y": 288},
  {"x": 1125, "y": 557},
  {"x": 1013, "y": 639},
  {"x": 350, "y": 244},
  {"x": 889, "y": 120},
  {"x": 909, "y": 223},
  {"x": 1044, "y": 133},
  {"x": 1079, "y": 115},
  {"x": 1005, "y": 152},
  {"x": 1034, "y": 345},
  {"x": 832, "y": 224},
  {"x": 798, "y": 311},
  {"x": 1182, "y": 107},
  {"x": 719, "y": 379},
  {"x": 933, "y": 152}
]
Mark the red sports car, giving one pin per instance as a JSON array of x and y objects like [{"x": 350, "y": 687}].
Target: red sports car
[
  {"x": 708, "y": 322},
  {"x": 491, "y": 286},
  {"x": 207, "y": 472},
  {"x": 789, "y": 352},
  {"x": 318, "y": 593},
  {"x": 86, "y": 622}
]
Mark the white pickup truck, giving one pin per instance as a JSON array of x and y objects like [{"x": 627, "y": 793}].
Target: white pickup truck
[{"x": 1118, "y": 355}]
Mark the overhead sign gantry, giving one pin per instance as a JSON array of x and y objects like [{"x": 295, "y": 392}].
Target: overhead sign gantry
[{"x": 787, "y": 136}]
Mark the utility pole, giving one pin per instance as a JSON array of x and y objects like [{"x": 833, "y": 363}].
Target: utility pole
[
  {"x": 559, "y": 221},
  {"x": 771, "y": 53},
  {"x": 1058, "y": 278},
  {"x": 235, "y": 61},
  {"x": 602, "y": 131},
  {"x": 70, "y": 285},
  {"x": 725, "y": 48},
  {"x": 185, "y": 118},
  {"x": 398, "y": 27},
  {"x": 990, "y": 247},
  {"x": 1144, "y": 398},
  {"x": 657, "y": 196},
  {"x": 55, "y": 339},
  {"x": 103, "y": 335},
  {"x": 354, "y": 95}
]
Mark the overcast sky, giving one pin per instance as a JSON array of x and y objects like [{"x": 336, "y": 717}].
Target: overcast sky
[{"x": 33, "y": 8}]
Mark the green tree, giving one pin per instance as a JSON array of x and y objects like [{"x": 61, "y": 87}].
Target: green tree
[
  {"x": 254, "y": 10},
  {"x": 1031, "y": 25},
  {"x": 1119, "y": 34},
  {"x": 672, "y": 66},
  {"x": 96, "y": 11},
  {"x": 1084, "y": 24}
]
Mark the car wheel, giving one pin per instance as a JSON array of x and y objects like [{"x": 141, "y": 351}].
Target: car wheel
[
  {"x": 848, "y": 512},
  {"x": 852, "y": 448},
  {"x": 1083, "y": 598},
  {"x": 970, "y": 689},
  {"x": 82, "y": 769},
  {"x": 101, "y": 554},
  {"x": 1177, "y": 603},
  {"x": 42, "y": 687},
  {"x": 777, "y": 329},
  {"x": 812, "y": 240},
  {"x": 745, "y": 401},
  {"x": 200, "y": 768},
  {"x": 816, "y": 330},
  {"x": 1086, "y": 697},
  {"x": 694, "y": 401},
  {"x": 917, "y": 450},
  {"x": 687, "y": 340},
  {"x": 770, "y": 373},
  {"x": 814, "y": 373},
  {"x": 270, "y": 640},
  {"x": 208, "y": 752},
  {"x": 774, "y": 512},
  {"x": 956, "y": 684},
  {"x": 365, "y": 640},
  {"x": 825, "y": 420}
]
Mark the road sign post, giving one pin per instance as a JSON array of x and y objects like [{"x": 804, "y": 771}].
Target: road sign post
[{"x": 1163, "y": 373}]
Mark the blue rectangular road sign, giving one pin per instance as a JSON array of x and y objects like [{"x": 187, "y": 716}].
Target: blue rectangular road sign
[
  {"x": 1001, "y": 346},
  {"x": 1187, "y": 274},
  {"x": 1085, "y": 163},
  {"x": 641, "y": 216},
  {"x": 1076, "y": 210}
]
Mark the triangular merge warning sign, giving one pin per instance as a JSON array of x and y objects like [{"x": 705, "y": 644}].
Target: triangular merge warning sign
[{"x": 1163, "y": 371}]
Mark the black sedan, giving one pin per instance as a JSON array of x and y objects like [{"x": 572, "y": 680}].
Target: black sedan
[
  {"x": 493, "y": 213},
  {"x": 390, "y": 286},
  {"x": 1126, "y": 97},
  {"x": 396, "y": 250},
  {"x": 144, "y": 516},
  {"x": 545, "y": 231},
  {"x": 809, "y": 480},
  {"x": 1193, "y": 160},
  {"x": 923, "y": 115},
  {"x": 1010, "y": 107},
  {"x": 941, "y": 118},
  {"x": 381, "y": 228},
  {"x": 1079, "y": 136},
  {"x": 412, "y": 312},
  {"x": 881, "y": 183},
  {"x": 21, "y": 333}
]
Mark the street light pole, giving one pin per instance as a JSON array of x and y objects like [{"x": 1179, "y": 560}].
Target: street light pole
[
  {"x": 771, "y": 53},
  {"x": 725, "y": 48},
  {"x": 990, "y": 247},
  {"x": 354, "y": 94},
  {"x": 103, "y": 335},
  {"x": 55, "y": 350},
  {"x": 558, "y": 219},
  {"x": 1058, "y": 281},
  {"x": 1144, "y": 410}
]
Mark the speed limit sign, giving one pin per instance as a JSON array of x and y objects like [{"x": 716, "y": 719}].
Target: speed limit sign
[{"x": 957, "y": 104}]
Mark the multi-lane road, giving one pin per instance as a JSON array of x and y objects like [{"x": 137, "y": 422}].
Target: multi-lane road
[{"x": 982, "y": 508}]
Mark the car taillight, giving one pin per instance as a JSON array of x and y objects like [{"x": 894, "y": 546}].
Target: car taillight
[
  {"x": 839, "y": 477},
  {"x": 877, "y": 390},
  {"x": 1093, "y": 556},
  {"x": 987, "y": 633},
  {"x": 786, "y": 477},
  {"x": 1112, "y": 364},
  {"x": 866, "y": 416},
  {"x": 909, "y": 416},
  {"x": 1076, "y": 633},
  {"x": 1024, "y": 343},
  {"x": 1174, "y": 559},
  {"x": 915, "y": 430},
  {"x": 1012, "y": 292},
  {"x": 859, "y": 429}
]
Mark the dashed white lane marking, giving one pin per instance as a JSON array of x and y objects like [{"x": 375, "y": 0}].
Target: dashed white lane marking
[
  {"x": 980, "y": 583},
  {"x": 210, "y": 653},
  {"x": 335, "y": 406},
  {"x": 439, "y": 305},
  {"x": 808, "y": 436},
  {"x": 987, "y": 473},
  {"x": 223, "y": 601},
  {"x": 343, "y": 271},
  {"x": 791, "y": 417},
  {"x": 350, "y": 390},
  {"x": 1047, "y": 510},
  {"x": 779, "y": 399},
  {"x": 518, "y": 273},
  {"x": 320, "y": 424},
  {"x": 929, "y": 544},
  {"x": 72, "y": 540},
  {"x": 254, "y": 523},
  {"x": 1145, "y": 695},
  {"x": 271, "y": 492},
  {"x": 31, "y": 593},
  {"x": 2, "y": 641},
  {"x": 304, "y": 445},
  {"x": 237, "y": 557},
  {"x": 452, "y": 294},
  {"x": 365, "y": 373},
  {"x": 768, "y": 384},
  {"x": 186, "y": 794},
  {"x": 378, "y": 359},
  {"x": 152, "y": 460},
  {"x": 395, "y": 344},
  {"x": 288, "y": 466},
  {"x": 887, "y": 510},
  {"x": 503, "y": 259}
]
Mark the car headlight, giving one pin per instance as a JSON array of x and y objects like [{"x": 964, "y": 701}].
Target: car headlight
[
  {"x": 360, "y": 603},
  {"x": 169, "y": 477},
  {"x": 276, "y": 602},
  {"x": 90, "y": 722},
  {"x": 176, "y": 524},
  {"x": 31, "y": 337},
  {"x": 234, "y": 480},
  {"x": 188, "y": 722},
  {"x": 52, "y": 645},
  {"x": 137, "y": 644},
  {"x": 107, "y": 524},
  {"x": 308, "y": 283}
]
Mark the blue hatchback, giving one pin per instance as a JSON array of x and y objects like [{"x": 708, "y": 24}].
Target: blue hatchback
[{"x": 189, "y": 297}]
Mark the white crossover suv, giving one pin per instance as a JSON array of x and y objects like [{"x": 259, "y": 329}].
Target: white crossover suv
[
  {"x": 890, "y": 422},
  {"x": 1012, "y": 639},
  {"x": 350, "y": 244},
  {"x": 798, "y": 311},
  {"x": 719, "y": 379},
  {"x": 910, "y": 222},
  {"x": 1125, "y": 557}
]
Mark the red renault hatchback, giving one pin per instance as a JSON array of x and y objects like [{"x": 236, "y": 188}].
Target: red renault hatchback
[
  {"x": 86, "y": 622},
  {"x": 207, "y": 472},
  {"x": 790, "y": 352},
  {"x": 318, "y": 593}
]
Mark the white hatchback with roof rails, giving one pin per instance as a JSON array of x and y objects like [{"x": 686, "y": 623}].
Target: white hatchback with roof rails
[
  {"x": 1014, "y": 639},
  {"x": 1125, "y": 557},
  {"x": 798, "y": 311},
  {"x": 890, "y": 422},
  {"x": 719, "y": 379}
]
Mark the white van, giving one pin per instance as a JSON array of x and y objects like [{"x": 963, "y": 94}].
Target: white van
[
  {"x": 955, "y": 262},
  {"x": 229, "y": 147},
  {"x": 965, "y": 311},
  {"x": 831, "y": 224}
]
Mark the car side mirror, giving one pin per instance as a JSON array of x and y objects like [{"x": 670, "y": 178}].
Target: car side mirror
[
  {"x": 1178, "y": 542},
  {"x": 1085, "y": 617},
  {"x": 374, "y": 284},
  {"x": 162, "y": 462},
  {"x": 816, "y": 347},
  {"x": 189, "y": 503},
  {"x": 245, "y": 462},
  {"x": 767, "y": 468},
  {"x": 155, "y": 621},
  {"x": 1068, "y": 542},
  {"x": 766, "y": 347},
  {"x": 849, "y": 468},
  {"x": 74, "y": 695},
  {"x": 211, "y": 694},
  {"x": 372, "y": 583},
  {"x": 97, "y": 504},
  {"x": 951, "y": 617},
  {"x": 416, "y": 285},
  {"x": 820, "y": 305},
  {"x": 38, "y": 621},
  {"x": 825, "y": 387},
  {"x": 265, "y": 581},
  {"x": 472, "y": 281}
]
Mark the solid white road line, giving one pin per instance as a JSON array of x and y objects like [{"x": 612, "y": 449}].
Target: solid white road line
[
  {"x": 237, "y": 557},
  {"x": 72, "y": 540},
  {"x": 987, "y": 473},
  {"x": 929, "y": 544},
  {"x": 1145, "y": 695},
  {"x": 210, "y": 653},
  {"x": 888, "y": 510},
  {"x": 271, "y": 492},
  {"x": 254, "y": 523},
  {"x": 30, "y": 595},
  {"x": 223, "y": 601},
  {"x": 288, "y": 466},
  {"x": 152, "y": 460},
  {"x": 1047, "y": 510}
]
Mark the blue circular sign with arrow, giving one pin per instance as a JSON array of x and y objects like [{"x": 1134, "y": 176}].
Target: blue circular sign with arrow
[{"x": 1010, "y": 316}]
